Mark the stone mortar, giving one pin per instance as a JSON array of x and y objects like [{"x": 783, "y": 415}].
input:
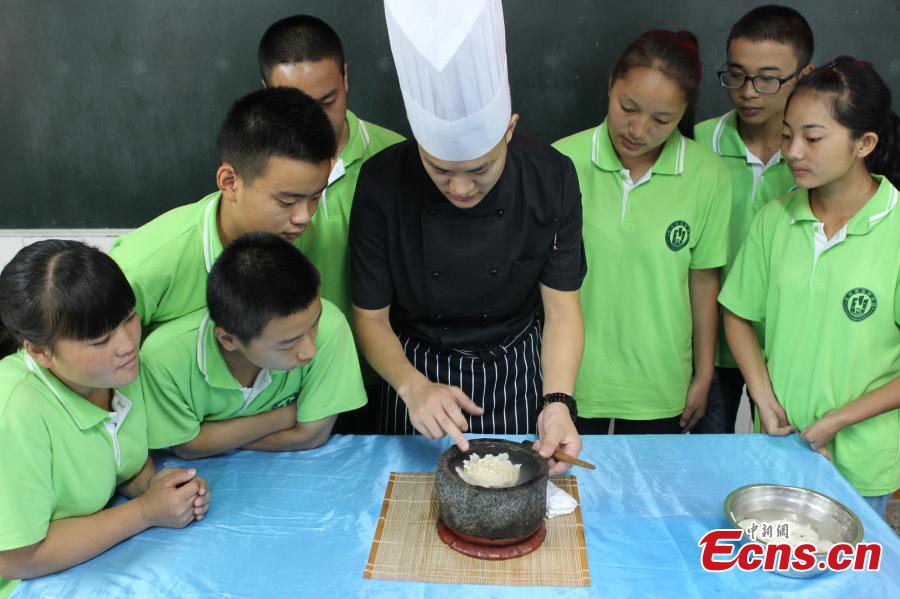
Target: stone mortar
[{"x": 506, "y": 513}]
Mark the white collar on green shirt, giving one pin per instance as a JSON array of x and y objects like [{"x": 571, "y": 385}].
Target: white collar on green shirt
[
  {"x": 212, "y": 244},
  {"x": 357, "y": 144},
  {"x": 873, "y": 211},
  {"x": 84, "y": 413},
  {"x": 357, "y": 140},
  {"x": 669, "y": 162},
  {"x": 727, "y": 141},
  {"x": 214, "y": 368}
]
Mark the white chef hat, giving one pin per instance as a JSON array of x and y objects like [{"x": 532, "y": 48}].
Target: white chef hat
[{"x": 451, "y": 62}]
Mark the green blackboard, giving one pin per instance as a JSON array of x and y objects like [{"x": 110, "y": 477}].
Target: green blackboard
[{"x": 110, "y": 108}]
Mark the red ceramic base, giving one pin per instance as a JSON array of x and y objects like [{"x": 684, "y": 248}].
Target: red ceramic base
[{"x": 492, "y": 548}]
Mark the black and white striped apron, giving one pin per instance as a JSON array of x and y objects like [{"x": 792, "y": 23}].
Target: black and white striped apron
[{"x": 506, "y": 381}]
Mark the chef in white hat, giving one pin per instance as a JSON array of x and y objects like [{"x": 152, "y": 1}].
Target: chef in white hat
[{"x": 466, "y": 251}]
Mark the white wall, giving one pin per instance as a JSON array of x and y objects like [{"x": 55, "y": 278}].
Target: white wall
[{"x": 13, "y": 240}]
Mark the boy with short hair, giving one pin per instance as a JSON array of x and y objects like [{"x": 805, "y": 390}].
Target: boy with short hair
[
  {"x": 305, "y": 53},
  {"x": 769, "y": 49},
  {"x": 276, "y": 148},
  {"x": 268, "y": 366}
]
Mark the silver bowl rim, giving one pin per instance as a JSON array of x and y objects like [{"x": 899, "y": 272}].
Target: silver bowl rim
[{"x": 730, "y": 498}]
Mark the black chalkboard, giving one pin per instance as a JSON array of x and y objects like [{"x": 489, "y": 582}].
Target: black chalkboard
[{"x": 110, "y": 108}]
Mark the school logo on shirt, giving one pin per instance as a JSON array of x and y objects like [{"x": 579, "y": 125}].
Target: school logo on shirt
[
  {"x": 859, "y": 304},
  {"x": 678, "y": 235}
]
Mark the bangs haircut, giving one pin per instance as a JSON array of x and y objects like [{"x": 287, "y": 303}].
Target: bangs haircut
[
  {"x": 259, "y": 277},
  {"x": 300, "y": 38},
  {"x": 57, "y": 289},
  {"x": 276, "y": 121},
  {"x": 773, "y": 23}
]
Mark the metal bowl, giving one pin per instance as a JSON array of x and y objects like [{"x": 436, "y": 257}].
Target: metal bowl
[
  {"x": 829, "y": 518},
  {"x": 507, "y": 513}
]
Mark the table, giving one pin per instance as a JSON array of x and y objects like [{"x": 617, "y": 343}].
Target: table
[{"x": 301, "y": 524}]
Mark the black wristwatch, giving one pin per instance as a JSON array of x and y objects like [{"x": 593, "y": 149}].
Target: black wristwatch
[{"x": 562, "y": 398}]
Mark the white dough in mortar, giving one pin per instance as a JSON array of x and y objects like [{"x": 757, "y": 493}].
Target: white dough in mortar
[{"x": 492, "y": 471}]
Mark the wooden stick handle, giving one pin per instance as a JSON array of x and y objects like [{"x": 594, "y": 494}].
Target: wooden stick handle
[{"x": 559, "y": 456}]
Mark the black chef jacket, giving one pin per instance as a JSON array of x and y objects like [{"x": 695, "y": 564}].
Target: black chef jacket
[{"x": 465, "y": 278}]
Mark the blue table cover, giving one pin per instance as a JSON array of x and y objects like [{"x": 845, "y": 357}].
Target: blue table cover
[{"x": 301, "y": 524}]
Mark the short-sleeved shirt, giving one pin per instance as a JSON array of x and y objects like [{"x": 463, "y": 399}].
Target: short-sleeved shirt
[
  {"x": 642, "y": 238},
  {"x": 324, "y": 241},
  {"x": 60, "y": 455},
  {"x": 168, "y": 259},
  {"x": 831, "y": 309},
  {"x": 465, "y": 278},
  {"x": 187, "y": 382},
  {"x": 753, "y": 185}
]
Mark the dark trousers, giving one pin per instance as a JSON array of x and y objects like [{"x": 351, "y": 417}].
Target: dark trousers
[
  {"x": 724, "y": 400},
  {"x": 621, "y": 426}
]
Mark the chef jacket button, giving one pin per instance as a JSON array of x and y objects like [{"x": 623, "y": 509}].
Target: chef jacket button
[
  {"x": 432, "y": 211},
  {"x": 484, "y": 323},
  {"x": 436, "y": 274},
  {"x": 484, "y": 316},
  {"x": 500, "y": 212},
  {"x": 440, "y": 317},
  {"x": 445, "y": 329},
  {"x": 493, "y": 272}
]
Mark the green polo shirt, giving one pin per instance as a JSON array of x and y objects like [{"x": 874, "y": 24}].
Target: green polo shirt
[
  {"x": 168, "y": 259},
  {"x": 325, "y": 240},
  {"x": 753, "y": 185},
  {"x": 641, "y": 240},
  {"x": 831, "y": 311},
  {"x": 60, "y": 455},
  {"x": 186, "y": 379}
]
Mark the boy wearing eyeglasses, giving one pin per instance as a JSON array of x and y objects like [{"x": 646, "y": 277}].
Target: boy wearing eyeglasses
[{"x": 768, "y": 50}]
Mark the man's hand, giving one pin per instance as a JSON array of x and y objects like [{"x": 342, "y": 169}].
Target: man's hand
[
  {"x": 556, "y": 431},
  {"x": 436, "y": 410}
]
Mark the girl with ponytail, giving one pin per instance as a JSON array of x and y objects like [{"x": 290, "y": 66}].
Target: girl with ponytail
[
  {"x": 655, "y": 209},
  {"x": 73, "y": 428},
  {"x": 821, "y": 269}
]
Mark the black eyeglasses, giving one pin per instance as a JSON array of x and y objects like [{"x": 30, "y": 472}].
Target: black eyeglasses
[{"x": 764, "y": 84}]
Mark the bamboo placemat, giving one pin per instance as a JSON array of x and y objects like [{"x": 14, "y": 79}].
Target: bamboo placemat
[{"x": 407, "y": 547}]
